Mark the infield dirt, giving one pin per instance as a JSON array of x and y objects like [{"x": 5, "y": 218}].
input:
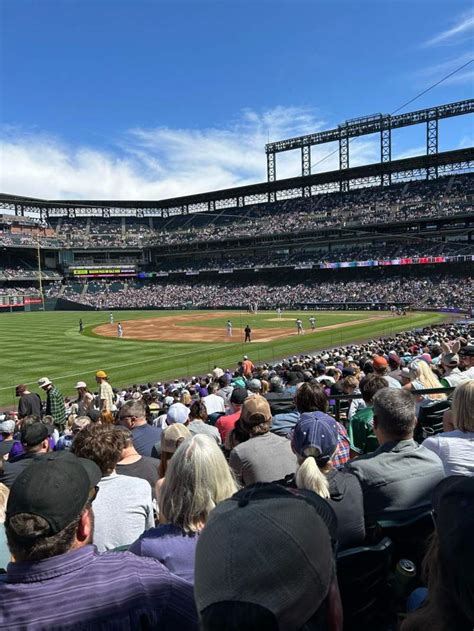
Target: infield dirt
[{"x": 171, "y": 329}]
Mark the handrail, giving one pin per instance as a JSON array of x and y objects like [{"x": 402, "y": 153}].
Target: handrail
[{"x": 349, "y": 397}]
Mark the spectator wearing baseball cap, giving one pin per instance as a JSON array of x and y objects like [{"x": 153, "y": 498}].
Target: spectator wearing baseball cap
[
  {"x": 311, "y": 399},
  {"x": 226, "y": 424},
  {"x": 449, "y": 560},
  {"x": 177, "y": 413},
  {"x": 381, "y": 369},
  {"x": 314, "y": 441},
  {"x": 263, "y": 457},
  {"x": 171, "y": 439},
  {"x": 85, "y": 399},
  {"x": 55, "y": 406},
  {"x": 29, "y": 403},
  {"x": 50, "y": 529},
  {"x": 197, "y": 479},
  {"x": 265, "y": 561},
  {"x": 7, "y": 429},
  {"x": 35, "y": 444},
  {"x": 106, "y": 395}
]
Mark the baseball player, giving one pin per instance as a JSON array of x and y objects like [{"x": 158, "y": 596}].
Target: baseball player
[
  {"x": 299, "y": 327},
  {"x": 111, "y": 318},
  {"x": 229, "y": 328},
  {"x": 312, "y": 321},
  {"x": 119, "y": 330},
  {"x": 248, "y": 334}
]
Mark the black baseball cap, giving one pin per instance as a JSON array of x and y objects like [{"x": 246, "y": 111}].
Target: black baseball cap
[
  {"x": 238, "y": 395},
  {"x": 55, "y": 488},
  {"x": 34, "y": 434},
  {"x": 467, "y": 351},
  {"x": 271, "y": 546}
]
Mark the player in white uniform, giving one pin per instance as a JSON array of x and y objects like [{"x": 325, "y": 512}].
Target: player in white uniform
[
  {"x": 279, "y": 313},
  {"x": 299, "y": 327},
  {"x": 312, "y": 321},
  {"x": 229, "y": 328},
  {"x": 119, "y": 330},
  {"x": 111, "y": 318}
]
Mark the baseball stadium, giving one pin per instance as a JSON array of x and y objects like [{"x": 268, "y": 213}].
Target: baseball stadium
[
  {"x": 368, "y": 251},
  {"x": 236, "y": 316}
]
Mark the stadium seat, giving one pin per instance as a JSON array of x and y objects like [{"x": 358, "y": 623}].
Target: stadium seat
[
  {"x": 430, "y": 420},
  {"x": 410, "y": 537},
  {"x": 363, "y": 576}
]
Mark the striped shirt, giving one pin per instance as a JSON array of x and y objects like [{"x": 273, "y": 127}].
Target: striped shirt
[{"x": 83, "y": 589}]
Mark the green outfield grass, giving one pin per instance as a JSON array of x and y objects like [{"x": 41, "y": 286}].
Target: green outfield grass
[{"x": 39, "y": 344}]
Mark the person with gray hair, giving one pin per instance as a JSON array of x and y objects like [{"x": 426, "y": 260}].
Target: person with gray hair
[
  {"x": 133, "y": 416},
  {"x": 197, "y": 479},
  {"x": 398, "y": 478}
]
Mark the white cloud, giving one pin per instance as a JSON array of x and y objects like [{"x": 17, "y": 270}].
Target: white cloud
[
  {"x": 439, "y": 70},
  {"x": 463, "y": 26},
  {"x": 153, "y": 164}
]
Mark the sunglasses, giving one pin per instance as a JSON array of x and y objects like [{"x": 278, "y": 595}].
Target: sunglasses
[{"x": 92, "y": 494}]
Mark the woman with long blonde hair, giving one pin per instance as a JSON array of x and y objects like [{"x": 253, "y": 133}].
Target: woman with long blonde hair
[
  {"x": 197, "y": 479},
  {"x": 456, "y": 447},
  {"x": 423, "y": 378}
]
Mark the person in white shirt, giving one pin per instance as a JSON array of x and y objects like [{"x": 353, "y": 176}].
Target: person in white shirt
[
  {"x": 125, "y": 507},
  {"x": 455, "y": 446},
  {"x": 213, "y": 402}
]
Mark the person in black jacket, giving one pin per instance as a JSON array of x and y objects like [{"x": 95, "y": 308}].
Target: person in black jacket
[{"x": 314, "y": 441}]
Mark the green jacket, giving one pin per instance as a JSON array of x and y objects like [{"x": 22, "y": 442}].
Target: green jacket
[{"x": 361, "y": 431}]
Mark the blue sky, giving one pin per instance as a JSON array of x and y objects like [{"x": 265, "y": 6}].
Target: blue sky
[{"x": 131, "y": 99}]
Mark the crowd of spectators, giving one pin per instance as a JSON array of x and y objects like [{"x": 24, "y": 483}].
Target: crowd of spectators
[
  {"x": 437, "y": 291},
  {"x": 448, "y": 196},
  {"x": 227, "y": 501},
  {"x": 368, "y": 252}
]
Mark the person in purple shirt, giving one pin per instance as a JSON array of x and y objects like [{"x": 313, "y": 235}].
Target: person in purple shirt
[
  {"x": 197, "y": 479},
  {"x": 59, "y": 580},
  {"x": 133, "y": 415}
]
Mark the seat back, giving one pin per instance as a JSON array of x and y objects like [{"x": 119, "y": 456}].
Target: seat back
[
  {"x": 363, "y": 576},
  {"x": 410, "y": 537},
  {"x": 430, "y": 420}
]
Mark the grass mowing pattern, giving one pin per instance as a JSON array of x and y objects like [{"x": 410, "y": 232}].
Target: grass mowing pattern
[{"x": 37, "y": 344}]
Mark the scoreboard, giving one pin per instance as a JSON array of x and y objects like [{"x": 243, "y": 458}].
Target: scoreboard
[{"x": 102, "y": 271}]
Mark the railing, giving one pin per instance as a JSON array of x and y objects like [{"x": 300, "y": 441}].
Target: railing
[{"x": 338, "y": 398}]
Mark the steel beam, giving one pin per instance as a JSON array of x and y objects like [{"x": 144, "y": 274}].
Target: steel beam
[
  {"x": 305, "y": 160},
  {"x": 432, "y": 143},
  {"x": 386, "y": 149},
  {"x": 372, "y": 124},
  {"x": 271, "y": 167},
  {"x": 344, "y": 158}
]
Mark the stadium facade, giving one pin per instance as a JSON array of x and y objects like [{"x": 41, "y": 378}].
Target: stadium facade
[{"x": 393, "y": 222}]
